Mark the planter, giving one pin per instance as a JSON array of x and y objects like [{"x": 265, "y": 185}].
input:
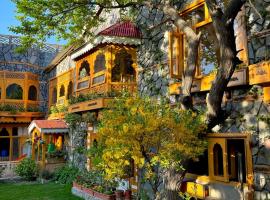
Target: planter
[
  {"x": 128, "y": 195},
  {"x": 76, "y": 185},
  {"x": 104, "y": 196},
  {"x": 88, "y": 191},
  {"x": 119, "y": 194}
]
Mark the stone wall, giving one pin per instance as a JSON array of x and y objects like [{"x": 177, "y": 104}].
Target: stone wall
[{"x": 34, "y": 60}]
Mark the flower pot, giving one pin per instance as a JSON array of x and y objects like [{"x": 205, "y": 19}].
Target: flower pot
[
  {"x": 76, "y": 185},
  {"x": 88, "y": 191},
  {"x": 104, "y": 196},
  {"x": 128, "y": 194},
  {"x": 119, "y": 194}
]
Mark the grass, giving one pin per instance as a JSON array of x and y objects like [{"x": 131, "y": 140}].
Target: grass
[{"x": 35, "y": 191}]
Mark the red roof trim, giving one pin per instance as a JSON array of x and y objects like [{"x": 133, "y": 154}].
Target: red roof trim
[
  {"x": 50, "y": 124},
  {"x": 122, "y": 29}
]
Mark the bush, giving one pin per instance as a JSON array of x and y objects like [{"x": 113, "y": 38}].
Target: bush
[
  {"x": 47, "y": 175},
  {"x": 27, "y": 169},
  {"x": 66, "y": 174}
]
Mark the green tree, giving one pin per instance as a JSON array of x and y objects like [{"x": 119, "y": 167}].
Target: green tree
[{"x": 155, "y": 136}]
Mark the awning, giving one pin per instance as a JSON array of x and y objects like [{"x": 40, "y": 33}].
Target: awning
[{"x": 48, "y": 126}]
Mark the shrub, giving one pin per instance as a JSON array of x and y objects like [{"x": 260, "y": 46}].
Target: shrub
[
  {"x": 27, "y": 169},
  {"x": 47, "y": 175},
  {"x": 66, "y": 174}
]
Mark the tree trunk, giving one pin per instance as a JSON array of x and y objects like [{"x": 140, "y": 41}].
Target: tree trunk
[
  {"x": 172, "y": 183},
  {"x": 223, "y": 25}
]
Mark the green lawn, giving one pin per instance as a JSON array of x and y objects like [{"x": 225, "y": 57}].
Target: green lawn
[{"x": 34, "y": 191}]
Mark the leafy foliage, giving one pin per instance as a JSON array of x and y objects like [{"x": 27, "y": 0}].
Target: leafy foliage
[
  {"x": 27, "y": 169},
  {"x": 66, "y": 174},
  {"x": 67, "y": 19},
  {"x": 148, "y": 132}
]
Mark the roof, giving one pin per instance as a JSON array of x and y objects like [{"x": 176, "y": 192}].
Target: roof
[
  {"x": 61, "y": 56},
  {"x": 49, "y": 126},
  {"x": 122, "y": 29},
  {"x": 121, "y": 33}
]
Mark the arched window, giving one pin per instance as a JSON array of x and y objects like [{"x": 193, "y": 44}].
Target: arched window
[
  {"x": 62, "y": 91},
  {"x": 84, "y": 69},
  {"x": 14, "y": 91},
  {"x": 123, "y": 70},
  {"x": 99, "y": 63},
  {"x": 70, "y": 90},
  {"x": 32, "y": 93},
  {"x": 218, "y": 160},
  {"x": 54, "y": 96}
]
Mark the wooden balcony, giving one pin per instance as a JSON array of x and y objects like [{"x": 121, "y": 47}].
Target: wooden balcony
[
  {"x": 259, "y": 73},
  {"x": 89, "y": 105}
]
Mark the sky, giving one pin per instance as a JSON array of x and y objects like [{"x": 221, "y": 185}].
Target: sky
[{"x": 7, "y": 19}]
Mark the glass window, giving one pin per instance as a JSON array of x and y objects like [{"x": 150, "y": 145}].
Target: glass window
[
  {"x": 209, "y": 54},
  {"x": 99, "y": 63},
  {"x": 123, "y": 70},
  {"x": 14, "y": 131},
  {"x": 99, "y": 79},
  {"x": 70, "y": 90},
  {"x": 14, "y": 91},
  {"x": 32, "y": 93},
  {"x": 84, "y": 69},
  {"x": 54, "y": 96},
  {"x": 176, "y": 55},
  {"x": 62, "y": 91}
]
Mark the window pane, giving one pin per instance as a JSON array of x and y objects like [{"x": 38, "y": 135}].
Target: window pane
[
  {"x": 14, "y": 131},
  {"x": 14, "y": 91},
  {"x": 195, "y": 16},
  {"x": 15, "y": 148},
  {"x": 83, "y": 84},
  {"x": 99, "y": 63},
  {"x": 84, "y": 69},
  {"x": 209, "y": 50},
  {"x": 99, "y": 79},
  {"x": 4, "y": 149}
]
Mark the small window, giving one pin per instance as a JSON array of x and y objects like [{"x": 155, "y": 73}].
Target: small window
[
  {"x": 14, "y": 91},
  {"x": 14, "y": 131},
  {"x": 99, "y": 63},
  {"x": 176, "y": 47},
  {"x": 84, "y": 69},
  {"x": 54, "y": 96},
  {"x": 123, "y": 70},
  {"x": 62, "y": 91},
  {"x": 70, "y": 90},
  {"x": 32, "y": 93},
  {"x": 218, "y": 160},
  {"x": 4, "y": 132},
  {"x": 99, "y": 79}
]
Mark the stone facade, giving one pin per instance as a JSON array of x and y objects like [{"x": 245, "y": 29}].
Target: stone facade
[{"x": 34, "y": 60}]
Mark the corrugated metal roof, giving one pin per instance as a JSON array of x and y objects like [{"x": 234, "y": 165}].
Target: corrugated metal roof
[
  {"x": 122, "y": 29},
  {"x": 50, "y": 123}
]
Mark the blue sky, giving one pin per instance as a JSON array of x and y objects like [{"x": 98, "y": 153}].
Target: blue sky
[{"x": 7, "y": 18}]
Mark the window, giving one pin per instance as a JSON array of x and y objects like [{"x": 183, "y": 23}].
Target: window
[
  {"x": 54, "y": 96},
  {"x": 123, "y": 70},
  {"x": 62, "y": 91},
  {"x": 176, "y": 55},
  {"x": 14, "y": 91},
  {"x": 84, "y": 69},
  {"x": 98, "y": 79},
  {"x": 32, "y": 93},
  {"x": 99, "y": 63},
  {"x": 70, "y": 90},
  {"x": 229, "y": 157},
  {"x": 209, "y": 54}
]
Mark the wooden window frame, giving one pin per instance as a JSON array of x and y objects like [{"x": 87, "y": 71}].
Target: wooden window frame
[
  {"x": 101, "y": 73},
  {"x": 179, "y": 59},
  {"x": 181, "y": 45},
  {"x": 221, "y": 138}
]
